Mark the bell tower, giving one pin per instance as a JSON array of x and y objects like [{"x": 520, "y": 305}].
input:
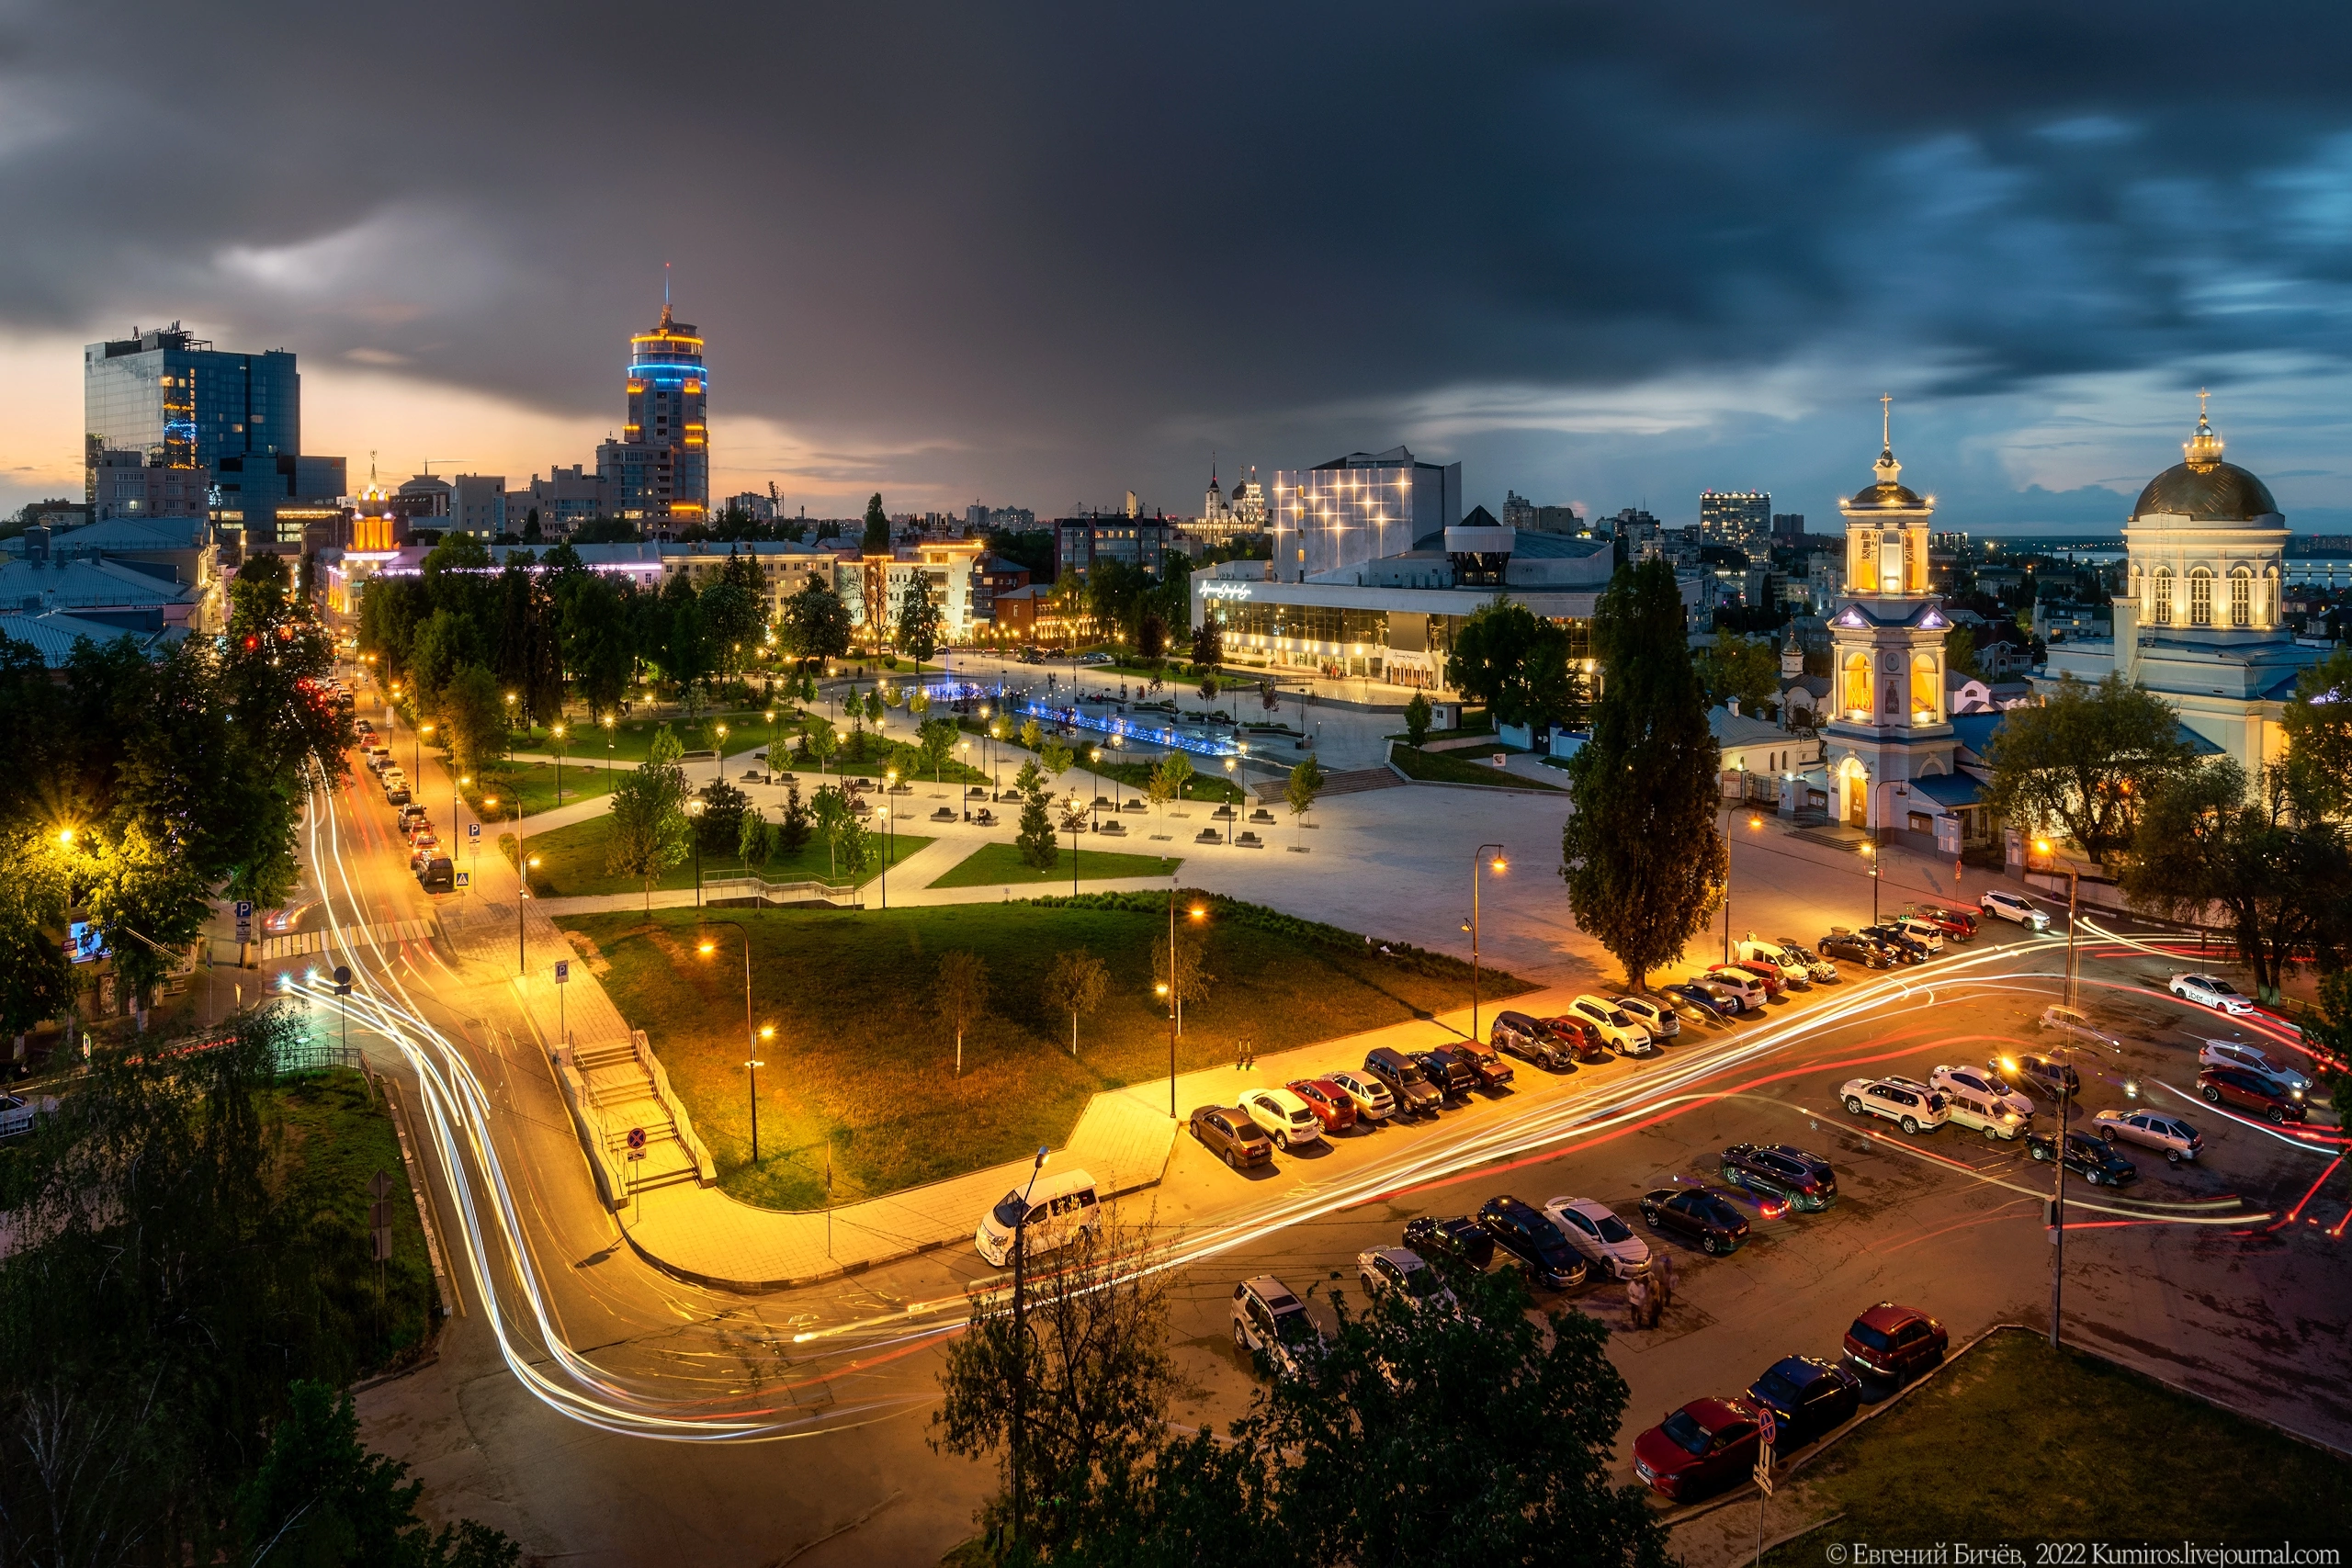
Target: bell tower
[{"x": 1887, "y": 720}]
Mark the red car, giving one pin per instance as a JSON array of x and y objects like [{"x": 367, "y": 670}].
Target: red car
[
  {"x": 1706, "y": 1444},
  {"x": 2251, "y": 1092},
  {"x": 1895, "y": 1341},
  {"x": 1959, "y": 924},
  {"x": 1579, "y": 1038},
  {"x": 1328, "y": 1101}
]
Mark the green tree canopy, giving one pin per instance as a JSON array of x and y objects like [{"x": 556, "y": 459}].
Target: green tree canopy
[
  {"x": 921, "y": 625},
  {"x": 876, "y": 539},
  {"x": 816, "y": 623},
  {"x": 1516, "y": 664},
  {"x": 2318, "y": 722},
  {"x": 650, "y": 826},
  {"x": 1741, "y": 668},
  {"x": 1641, "y": 856},
  {"x": 2089, "y": 760}
]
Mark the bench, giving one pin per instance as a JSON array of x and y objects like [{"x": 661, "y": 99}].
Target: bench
[
  {"x": 1249, "y": 841},
  {"x": 1208, "y": 836},
  {"x": 943, "y": 815},
  {"x": 1262, "y": 815},
  {"x": 1119, "y": 827},
  {"x": 984, "y": 818}
]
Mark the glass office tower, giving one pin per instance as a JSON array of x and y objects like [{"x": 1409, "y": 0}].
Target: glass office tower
[
  {"x": 177, "y": 402},
  {"x": 661, "y": 466}
]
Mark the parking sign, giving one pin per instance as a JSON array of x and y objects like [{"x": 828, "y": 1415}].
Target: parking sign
[
  {"x": 244, "y": 908},
  {"x": 562, "y": 970},
  {"x": 473, "y": 830}
]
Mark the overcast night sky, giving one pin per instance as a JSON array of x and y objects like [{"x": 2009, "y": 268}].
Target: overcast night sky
[{"x": 1041, "y": 254}]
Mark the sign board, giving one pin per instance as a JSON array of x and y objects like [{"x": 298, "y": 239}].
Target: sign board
[
  {"x": 84, "y": 943},
  {"x": 465, "y": 878},
  {"x": 473, "y": 830},
  {"x": 379, "y": 1214},
  {"x": 383, "y": 1247},
  {"x": 244, "y": 908},
  {"x": 380, "y": 1184},
  {"x": 342, "y": 980},
  {"x": 562, "y": 971},
  {"x": 1764, "y": 1461},
  {"x": 1770, "y": 1425},
  {"x": 637, "y": 1139}
]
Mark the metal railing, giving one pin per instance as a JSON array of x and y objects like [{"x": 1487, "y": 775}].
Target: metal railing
[
  {"x": 681, "y": 1122},
  {"x": 761, "y": 890}
]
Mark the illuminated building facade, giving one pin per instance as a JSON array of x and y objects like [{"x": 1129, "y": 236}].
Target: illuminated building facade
[
  {"x": 1358, "y": 508},
  {"x": 1741, "y": 519},
  {"x": 659, "y": 471},
  {"x": 177, "y": 402}
]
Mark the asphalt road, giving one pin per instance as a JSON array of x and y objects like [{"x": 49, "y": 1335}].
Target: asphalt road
[{"x": 571, "y": 1350}]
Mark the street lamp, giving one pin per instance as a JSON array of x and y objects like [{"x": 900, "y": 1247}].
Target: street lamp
[
  {"x": 720, "y": 772},
  {"x": 558, "y": 733},
  {"x": 1069, "y": 816},
  {"x": 607, "y": 722},
  {"x": 1095, "y": 810},
  {"x": 1754, "y": 821},
  {"x": 416, "y": 746},
  {"x": 522, "y": 891},
  {"x": 708, "y": 945},
  {"x": 1020, "y": 1337},
  {"x": 890, "y": 843},
  {"x": 1175, "y": 998},
  {"x": 1230, "y": 764},
  {"x": 1478, "y": 862},
  {"x": 510, "y": 727},
  {"x": 771, "y": 758},
  {"x": 1869, "y": 853},
  {"x": 767, "y": 1032},
  {"x": 694, "y": 810}
]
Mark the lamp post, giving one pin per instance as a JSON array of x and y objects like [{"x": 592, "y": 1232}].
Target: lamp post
[
  {"x": 890, "y": 843},
  {"x": 708, "y": 946},
  {"x": 694, "y": 831},
  {"x": 719, "y": 773},
  {"x": 522, "y": 891},
  {"x": 1754, "y": 822},
  {"x": 1175, "y": 998},
  {"x": 1230, "y": 764},
  {"x": 510, "y": 727},
  {"x": 2058, "y": 1179},
  {"x": 607, "y": 722},
  {"x": 557, "y": 733},
  {"x": 963, "y": 789},
  {"x": 1094, "y": 812},
  {"x": 1070, "y": 814},
  {"x": 767, "y": 1032},
  {"x": 416, "y": 745},
  {"x": 1870, "y": 853},
  {"x": 1478, "y": 862},
  {"x": 771, "y": 758}
]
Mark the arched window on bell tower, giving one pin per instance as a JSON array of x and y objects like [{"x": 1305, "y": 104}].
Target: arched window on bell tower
[
  {"x": 2160, "y": 600},
  {"x": 2201, "y": 597},
  {"x": 2241, "y": 597}
]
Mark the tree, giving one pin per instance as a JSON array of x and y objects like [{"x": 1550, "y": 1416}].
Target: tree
[
  {"x": 1418, "y": 717},
  {"x": 1151, "y": 640},
  {"x": 36, "y": 973},
  {"x": 1515, "y": 663},
  {"x": 1091, "y": 1366},
  {"x": 720, "y": 824},
  {"x": 937, "y": 738},
  {"x": 2318, "y": 722},
  {"x": 792, "y": 830},
  {"x": 816, "y": 624},
  {"x": 876, "y": 539},
  {"x": 1306, "y": 783},
  {"x": 754, "y": 839},
  {"x": 474, "y": 709},
  {"x": 1056, "y": 758},
  {"x": 875, "y": 708},
  {"x": 1208, "y": 643},
  {"x": 959, "y": 995},
  {"x": 649, "y": 827},
  {"x": 1959, "y": 653},
  {"x": 1075, "y": 984},
  {"x": 1742, "y": 670},
  {"x": 854, "y": 847},
  {"x": 1208, "y": 688},
  {"x": 1031, "y": 734},
  {"x": 1176, "y": 769},
  {"x": 149, "y": 901},
  {"x": 2088, "y": 760},
  {"x": 829, "y": 807},
  {"x": 2280, "y": 872},
  {"x": 919, "y": 623},
  {"x": 1641, "y": 855},
  {"x": 819, "y": 737},
  {"x": 1035, "y": 839},
  {"x": 1193, "y": 981}
]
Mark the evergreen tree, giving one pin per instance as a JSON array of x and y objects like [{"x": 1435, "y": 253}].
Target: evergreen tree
[
  {"x": 877, "y": 541},
  {"x": 1641, "y": 855},
  {"x": 1036, "y": 841},
  {"x": 918, "y": 621},
  {"x": 793, "y": 830}
]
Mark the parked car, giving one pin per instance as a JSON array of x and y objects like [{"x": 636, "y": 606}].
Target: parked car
[
  {"x": 1059, "y": 1206},
  {"x": 2250, "y": 1092},
  {"x": 2254, "y": 1060},
  {"x": 1908, "y": 1103},
  {"x": 1403, "y": 1272},
  {"x": 2167, "y": 1134},
  {"x": 1449, "y": 1074},
  {"x": 1528, "y": 1038},
  {"x": 1328, "y": 1101},
  {"x": 396, "y": 795},
  {"x": 1697, "y": 1214},
  {"x": 1695, "y": 1002},
  {"x": 1607, "y": 1242},
  {"x": 1533, "y": 1241},
  {"x": 1282, "y": 1116},
  {"x": 18, "y": 1113},
  {"x": 1492, "y": 1071},
  {"x": 1807, "y": 1396},
  {"x": 1461, "y": 1237},
  {"x": 1764, "y": 974},
  {"x": 2053, "y": 1077},
  {"x": 2014, "y": 908},
  {"x": 1738, "y": 984},
  {"x": 2074, "y": 1024},
  {"x": 1269, "y": 1320},
  {"x": 1804, "y": 1181},
  {"x": 1906, "y": 946},
  {"x": 437, "y": 876},
  {"x": 1946, "y": 918},
  {"x": 1851, "y": 949},
  {"x": 1973, "y": 1107},
  {"x": 1816, "y": 965},
  {"x": 1227, "y": 1133},
  {"x": 2211, "y": 991},
  {"x": 2093, "y": 1159},
  {"x": 1655, "y": 1015},
  {"x": 1984, "y": 1083},
  {"x": 1612, "y": 1024},
  {"x": 1580, "y": 1040},
  {"x": 1706, "y": 1445},
  {"x": 1371, "y": 1097},
  {"x": 1791, "y": 970},
  {"x": 1927, "y": 934},
  {"x": 1402, "y": 1077},
  {"x": 1895, "y": 1342}
]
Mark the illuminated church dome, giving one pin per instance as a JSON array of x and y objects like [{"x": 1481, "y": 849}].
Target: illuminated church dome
[{"x": 2206, "y": 489}]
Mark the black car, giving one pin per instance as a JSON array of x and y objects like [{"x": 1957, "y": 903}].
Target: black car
[
  {"x": 1447, "y": 1072},
  {"x": 397, "y": 796},
  {"x": 1845, "y": 947},
  {"x": 2092, "y": 1158},
  {"x": 1807, "y": 1396},
  {"x": 1529, "y": 1039},
  {"x": 437, "y": 876},
  {"x": 2050, "y": 1076},
  {"x": 1534, "y": 1241},
  {"x": 1402, "y": 1077},
  {"x": 1460, "y": 1237},
  {"x": 1913, "y": 950},
  {"x": 1696, "y": 1213},
  {"x": 1802, "y": 1181}
]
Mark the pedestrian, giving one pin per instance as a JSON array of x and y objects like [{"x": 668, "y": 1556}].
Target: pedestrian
[
  {"x": 1637, "y": 1303},
  {"x": 1665, "y": 1279}
]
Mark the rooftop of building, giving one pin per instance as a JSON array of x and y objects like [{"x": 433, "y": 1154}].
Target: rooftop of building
[
  {"x": 52, "y": 635},
  {"x": 85, "y": 582},
  {"x": 122, "y": 533}
]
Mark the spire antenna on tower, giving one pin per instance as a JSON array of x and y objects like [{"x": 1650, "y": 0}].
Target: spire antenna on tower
[{"x": 1886, "y": 420}]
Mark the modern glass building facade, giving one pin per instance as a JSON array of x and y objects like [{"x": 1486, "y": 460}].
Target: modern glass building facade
[
  {"x": 177, "y": 402},
  {"x": 1358, "y": 508},
  {"x": 660, "y": 468}
]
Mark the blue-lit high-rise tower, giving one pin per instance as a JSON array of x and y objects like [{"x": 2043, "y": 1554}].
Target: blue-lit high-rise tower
[{"x": 660, "y": 468}]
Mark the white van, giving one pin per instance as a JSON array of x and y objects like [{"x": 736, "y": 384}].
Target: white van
[{"x": 1060, "y": 1205}]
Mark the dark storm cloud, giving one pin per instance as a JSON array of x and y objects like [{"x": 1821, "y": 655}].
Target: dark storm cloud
[{"x": 1033, "y": 244}]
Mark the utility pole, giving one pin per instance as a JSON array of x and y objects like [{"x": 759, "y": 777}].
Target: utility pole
[{"x": 2058, "y": 1149}]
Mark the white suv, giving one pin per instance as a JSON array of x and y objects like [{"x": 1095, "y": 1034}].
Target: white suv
[
  {"x": 1269, "y": 1321},
  {"x": 2211, "y": 992},
  {"x": 2010, "y": 907},
  {"x": 1930, "y": 937},
  {"x": 1908, "y": 1103},
  {"x": 2247, "y": 1058},
  {"x": 1610, "y": 1021},
  {"x": 1981, "y": 1084},
  {"x": 1656, "y": 1017},
  {"x": 1282, "y": 1116}
]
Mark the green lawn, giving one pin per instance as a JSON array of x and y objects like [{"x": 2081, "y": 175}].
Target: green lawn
[
  {"x": 336, "y": 1138},
  {"x": 1455, "y": 767},
  {"x": 2085, "y": 1451},
  {"x": 860, "y": 1056},
  {"x": 994, "y": 866},
  {"x": 571, "y": 861}
]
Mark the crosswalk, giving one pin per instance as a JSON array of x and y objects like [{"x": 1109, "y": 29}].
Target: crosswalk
[{"x": 300, "y": 943}]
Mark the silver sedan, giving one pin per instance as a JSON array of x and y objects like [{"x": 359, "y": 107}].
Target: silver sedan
[{"x": 2167, "y": 1134}]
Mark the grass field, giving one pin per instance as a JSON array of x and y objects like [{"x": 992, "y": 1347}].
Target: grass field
[
  {"x": 571, "y": 861},
  {"x": 862, "y": 1059},
  {"x": 993, "y": 865},
  {"x": 2058, "y": 1446},
  {"x": 336, "y": 1138},
  {"x": 1452, "y": 767}
]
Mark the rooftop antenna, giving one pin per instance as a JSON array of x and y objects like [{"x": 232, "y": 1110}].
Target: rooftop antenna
[{"x": 1886, "y": 420}]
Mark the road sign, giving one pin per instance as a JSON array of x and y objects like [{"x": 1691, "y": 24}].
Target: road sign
[
  {"x": 562, "y": 971},
  {"x": 1764, "y": 1468},
  {"x": 637, "y": 1140},
  {"x": 1769, "y": 1426},
  {"x": 465, "y": 879},
  {"x": 244, "y": 908},
  {"x": 383, "y": 1240},
  {"x": 343, "y": 980},
  {"x": 380, "y": 1184},
  {"x": 379, "y": 1214},
  {"x": 473, "y": 830}
]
